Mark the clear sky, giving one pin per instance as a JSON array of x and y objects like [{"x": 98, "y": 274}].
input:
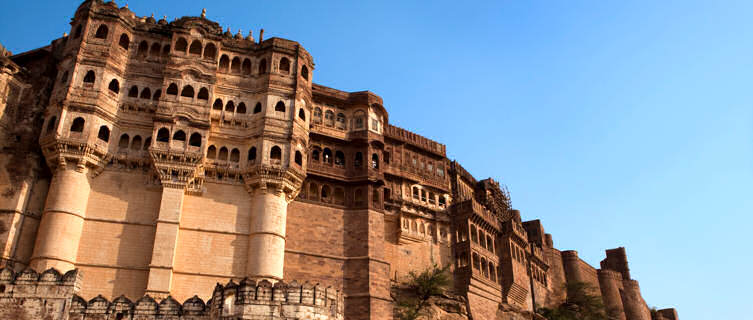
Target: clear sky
[{"x": 618, "y": 123}]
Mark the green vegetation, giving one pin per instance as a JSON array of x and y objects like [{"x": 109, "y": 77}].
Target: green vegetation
[
  {"x": 419, "y": 288},
  {"x": 580, "y": 304}
]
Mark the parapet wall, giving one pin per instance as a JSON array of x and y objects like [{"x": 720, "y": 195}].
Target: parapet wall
[{"x": 52, "y": 296}]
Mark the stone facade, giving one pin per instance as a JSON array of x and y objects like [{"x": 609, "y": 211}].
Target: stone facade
[{"x": 159, "y": 159}]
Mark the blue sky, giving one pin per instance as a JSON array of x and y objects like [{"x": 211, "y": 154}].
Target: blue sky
[{"x": 618, "y": 123}]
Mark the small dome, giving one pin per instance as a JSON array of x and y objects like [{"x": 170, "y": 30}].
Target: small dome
[{"x": 151, "y": 19}]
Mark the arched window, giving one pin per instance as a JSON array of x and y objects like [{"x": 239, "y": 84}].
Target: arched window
[
  {"x": 415, "y": 193},
  {"x": 358, "y": 160},
  {"x": 163, "y": 135},
  {"x": 172, "y": 89},
  {"x": 136, "y": 143},
  {"x": 217, "y": 105},
  {"x": 89, "y": 77},
  {"x": 252, "y": 155},
  {"x": 195, "y": 48},
  {"x": 114, "y": 86},
  {"x": 327, "y": 156},
  {"x": 285, "y": 65},
  {"x": 246, "y": 66},
  {"x": 203, "y": 94},
  {"x": 329, "y": 118},
  {"x": 298, "y": 158},
  {"x": 124, "y": 41},
  {"x": 134, "y": 92},
  {"x": 235, "y": 155},
  {"x": 156, "y": 95},
  {"x": 315, "y": 155},
  {"x": 51, "y": 124},
  {"x": 179, "y": 135},
  {"x": 280, "y": 106},
  {"x": 147, "y": 143},
  {"x": 275, "y": 154},
  {"x": 340, "y": 121},
  {"x": 257, "y": 108},
  {"x": 180, "y": 45},
  {"x": 123, "y": 143},
  {"x": 212, "y": 152},
  {"x": 339, "y": 158},
  {"x": 492, "y": 272},
  {"x": 489, "y": 244},
  {"x": 302, "y": 114},
  {"x": 224, "y": 63},
  {"x": 146, "y": 93},
  {"x": 476, "y": 261},
  {"x": 484, "y": 269},
  {"x": 166, "y": 50},
  {"x": 102, "y": 32},
  {"x": 263, "y": 66},
  {"x": 210, "y": 51},
  {"x": 104, "y": 134},
  {"x": 230, "y": 107},
  {"x": 474, "y": 234},
  {"x": 317, "y": 115},
  {"x": 77, "y": 33},
  {"x": 360, "y": 119},
  {"x": 374, "y": 161},
  {"x": 235, "y": 66},
  {"x": 223, "y": 154},
  {"x": 144, "y": 49},
  {"x": 195, "y": 140},
  {"x": 154, "y": 52},
  {"x": 305, "y": 72},
  {"x": 241, "y": 108},
  {"x": 326, "y": 193},
  {"x": 339, "y": 196},
  {"x": 187, "y": 92},
  {"x": 313, "y": 192}
]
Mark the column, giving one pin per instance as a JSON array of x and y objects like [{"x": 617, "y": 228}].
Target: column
[
  {"x": 165, "y": 242},
  {"x": 266, "y": 240},
  {"x": 59, "y": 231}
]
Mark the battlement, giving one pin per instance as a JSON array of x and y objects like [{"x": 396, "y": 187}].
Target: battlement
[
  {"x": 414, "y": 139},
  {"x": 609, "y": 274},
  {"x": 30, "y": 282}
]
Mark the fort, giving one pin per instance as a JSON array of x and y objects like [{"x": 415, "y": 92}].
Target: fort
[{"x": 174, "y": 170}]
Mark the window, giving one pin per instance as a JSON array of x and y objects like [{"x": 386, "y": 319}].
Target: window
[
  {"x": 474, "y": 234},
  {"x": 313, "y": 192},
  {"x": 440, "y": 171},
  {"x": 358, "y": 160},
  {"x": 195, "y": 48},
  {"x": 195, "y": 140},
  {"x": 317, "y": 115},
  {"x": 223, "y": 154},
  {"x": 246, "y": 66},
  {"x": 147, "y": 143},
  {"x": 423, "y": 195},
  {"x": 134, "y": 92},
  {"x": 102, "y": 32},
  {"x": 230, "y": 107},
  {"x": 104, "y": 134},
  {"x": 375, "y": 124},
  {"x": 235, "y": 155},
  {"x": 146, "y": 94},
  {"x": 339, "y": 158},
  {"x": 280, "y": 107},
  {"x": 166, "y": 50},
  {"x": 180, "y": 45},
  {"x": 298, "y": 158},
  {"x": 415, "y": 193},
  {"x": 252, "y": 155},
  {"x": 143, "y": 50},
  {"x": 163, "y": 135},
  {"x": 386, "y": 157},
  {"x": 136, "y": 143},
  {"x": 315, "y": 155},
  {"x": 341, "y": 121},
  {"x": 114, "y": 86},
  {"x": 78, "y": 125},
  {"x": 89, "y": 77},
  {"x": 325, "y": 193},
  {"x": 172, "y": 89},
  {"x": 284, "y": 65},
  {"x": 301, "y": 114},
  {"x": 217, "y": 105},
  {"x": 203, "y": 94},
  {"x": 263, "y": 66},
  {"x": 187, "y": 92},
  {"x": 124, "y": 41},
  {"x": 179, "y": 135},
  {"x": 359, "y": 120},
  {"x": 442, "y": 201},
  {"x": 339, "y": 196},
  {"x": 275, "y": 154},
  {"x": 224, "y": 63},
  {"x": 327, "y": 156},
  {"x": 329, "y": 118},
  {"x": 123, "y": 143},
  {"x": 210, "y": 51},
  {"x": 305, "y": 72},
  {"x": 387, "y": 194},
  {"x": 235, "y": 66},
  {"x": 374, "y": 161},
  {"x": 241, "y": 108},
  {"x": 154, "y": 52},
  {"x": 257, "y": 108}
]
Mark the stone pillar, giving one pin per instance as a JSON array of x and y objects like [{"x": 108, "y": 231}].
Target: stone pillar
[
  {"x": 571, "y": 263},
  {"x": 63, "y": 220},
  {"x": 165, "y": 241},
  {"x": 266, "y": 240}
]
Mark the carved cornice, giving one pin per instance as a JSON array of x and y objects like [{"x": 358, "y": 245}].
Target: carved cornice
[
  {"x": 178, "y": 168},
  {"x": 61, "y": 151},
  {"x": 275, "y": 180}
]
